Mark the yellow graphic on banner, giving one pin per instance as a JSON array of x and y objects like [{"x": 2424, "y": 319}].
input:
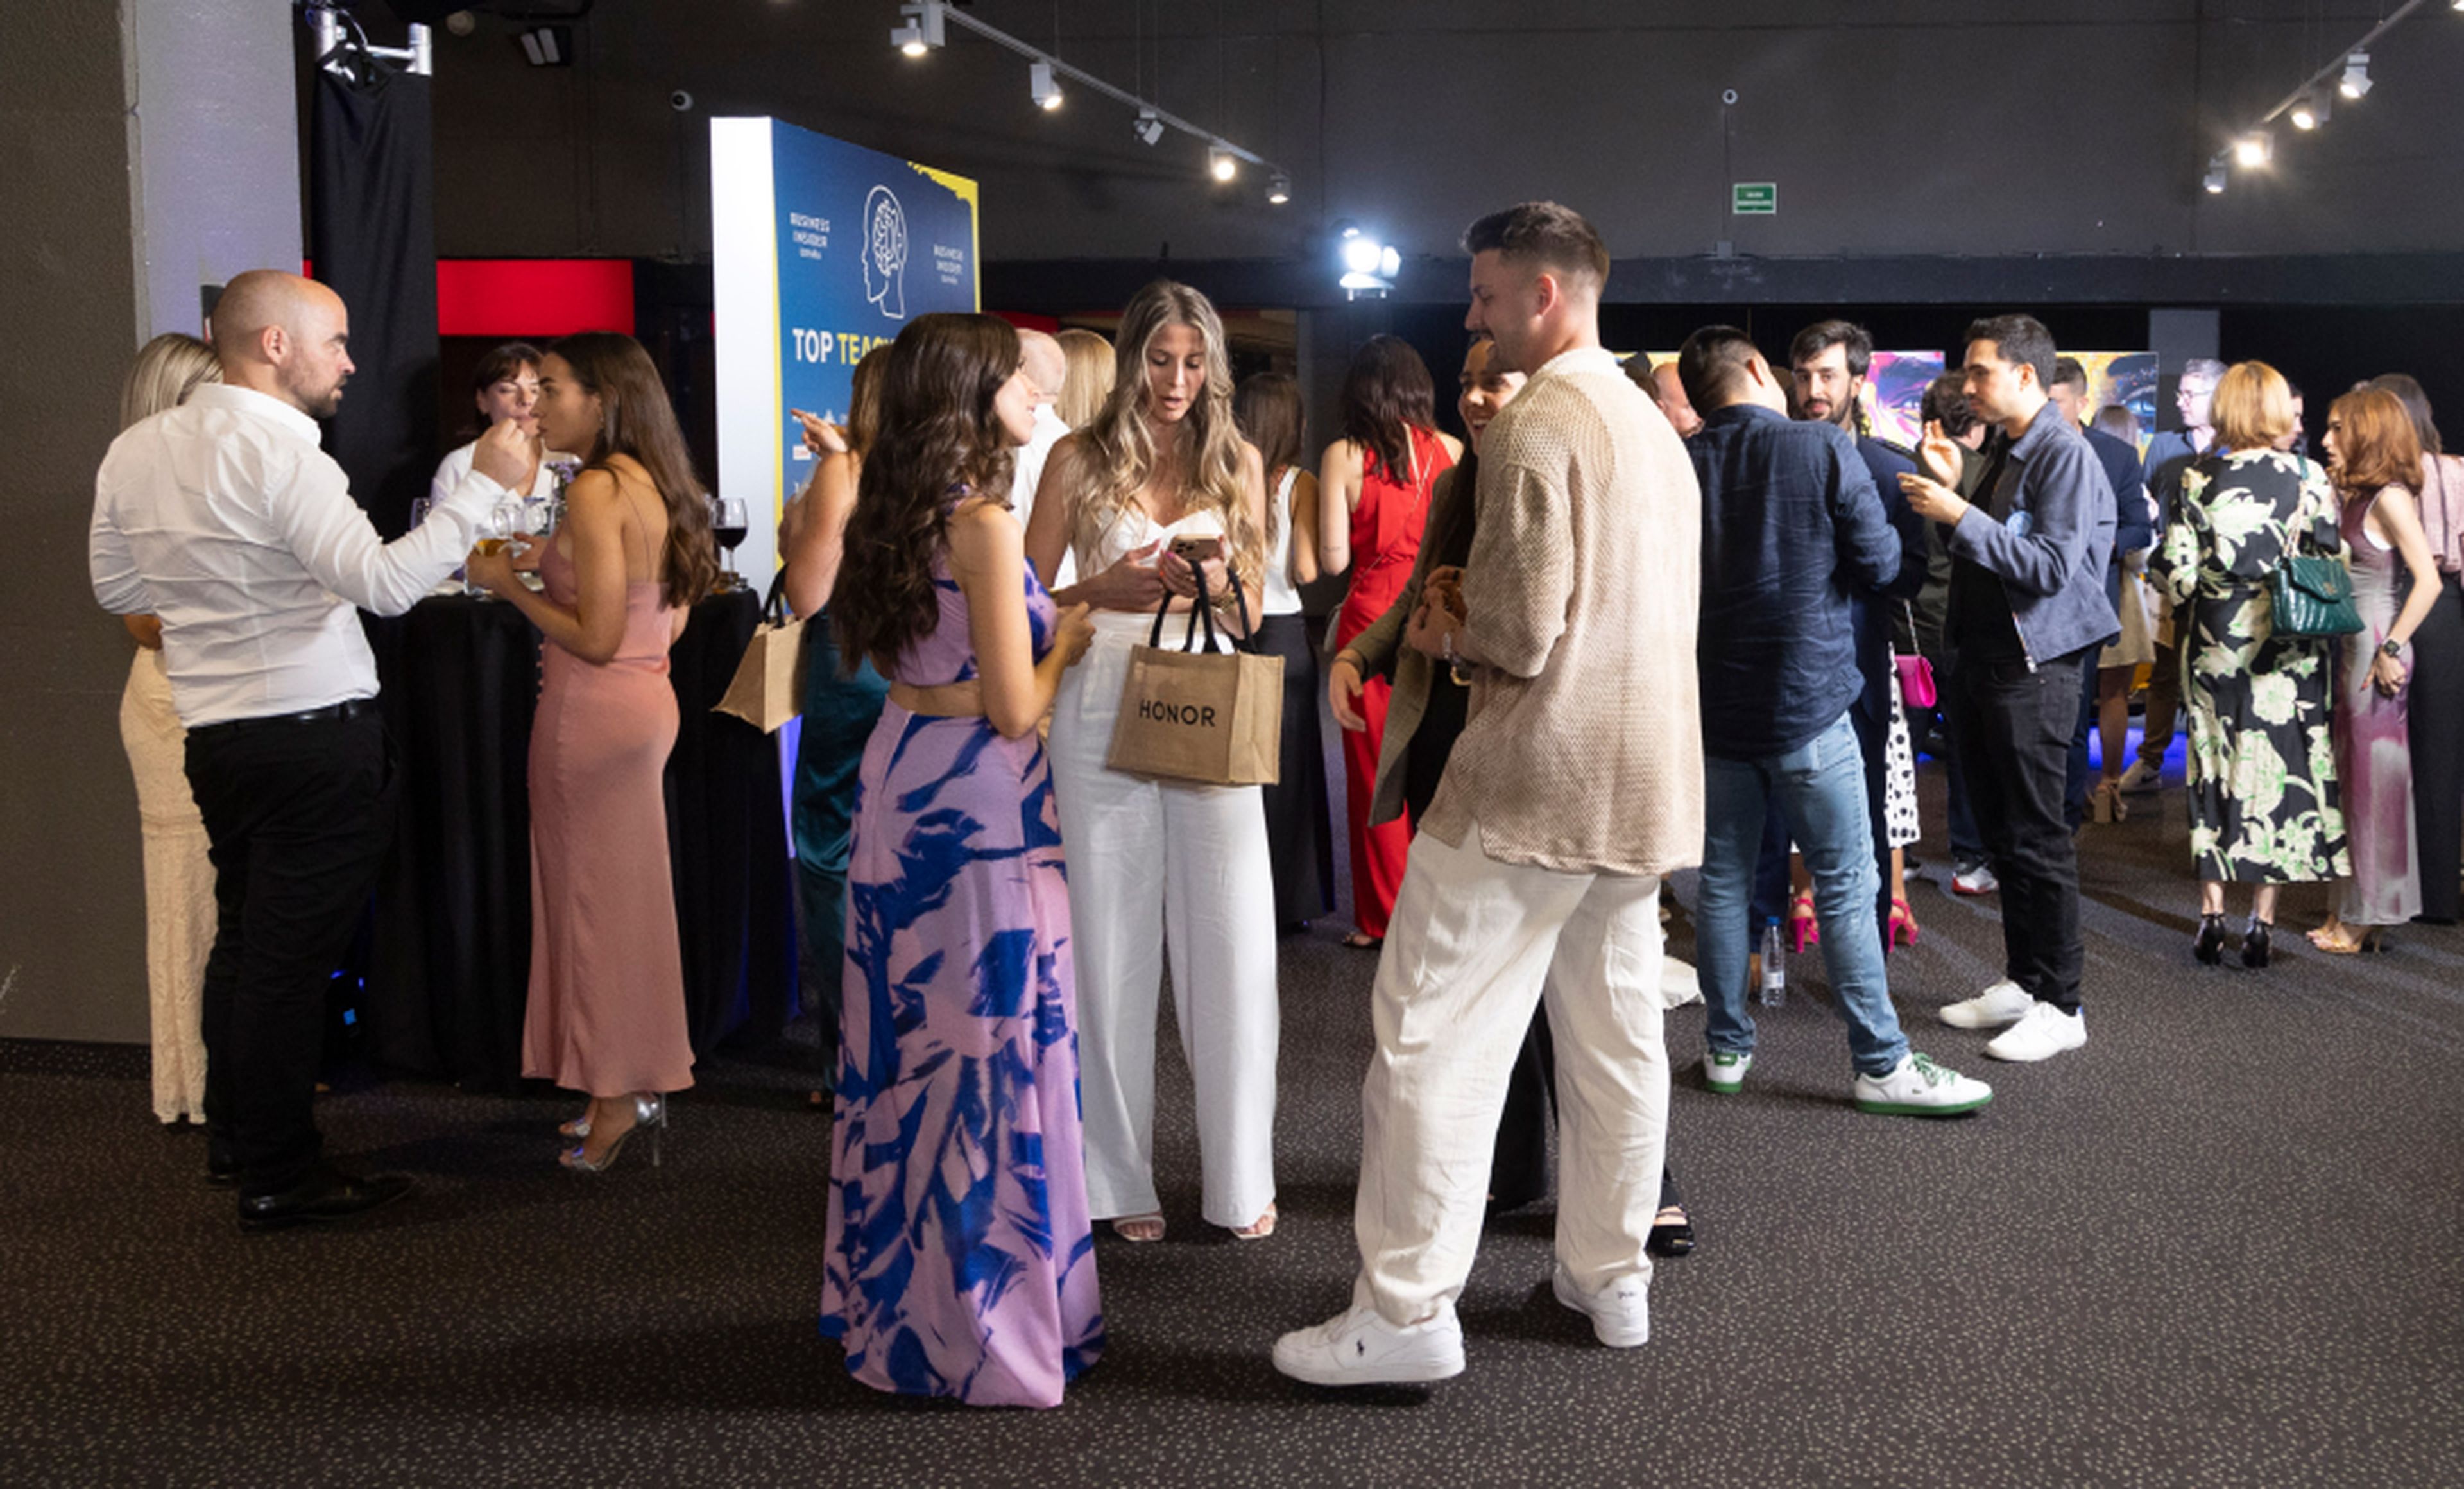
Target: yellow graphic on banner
[{"x": 964, "y": 189}]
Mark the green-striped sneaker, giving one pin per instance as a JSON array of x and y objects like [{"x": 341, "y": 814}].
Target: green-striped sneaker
[
  {"x": 1726, "y": 1073},
  {"x": 1918, "y": 1087}
]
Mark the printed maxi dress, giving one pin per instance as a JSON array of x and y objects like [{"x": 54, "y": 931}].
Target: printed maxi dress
[
  {"x": 960, "y": 1254},
  {"x": 2262, "y": 763}
]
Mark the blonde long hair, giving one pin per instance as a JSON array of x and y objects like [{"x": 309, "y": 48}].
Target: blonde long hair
[
  {"x": 168, "y": 369},
  {"x": 1121, "y": 448}
]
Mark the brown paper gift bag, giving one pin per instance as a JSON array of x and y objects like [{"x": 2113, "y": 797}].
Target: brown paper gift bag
[
  {"x": 768, "y": 688},
  {"x": 1212, "y": 718}
]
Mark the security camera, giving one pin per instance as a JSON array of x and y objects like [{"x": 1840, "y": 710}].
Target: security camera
[{"x": 680, "y": 101}]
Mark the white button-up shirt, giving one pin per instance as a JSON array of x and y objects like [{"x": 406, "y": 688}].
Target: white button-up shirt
[{"x": 224, "y": 519}]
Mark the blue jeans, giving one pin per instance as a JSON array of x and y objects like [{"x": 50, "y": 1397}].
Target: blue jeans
[{"x": 1821, "y": 787}]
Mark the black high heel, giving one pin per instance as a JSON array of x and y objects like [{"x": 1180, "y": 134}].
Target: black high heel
[
  {"x": 2255, "y": 943},
  {"x": 1670, "y": 1237},
  {"x": 2210, "y": 947}
]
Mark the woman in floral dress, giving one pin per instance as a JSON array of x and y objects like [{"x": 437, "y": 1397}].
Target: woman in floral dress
[{"x": 2262, "y": 766}]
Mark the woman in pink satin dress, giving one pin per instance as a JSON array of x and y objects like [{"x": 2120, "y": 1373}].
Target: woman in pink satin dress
[{"x": 606, "y": 1012}]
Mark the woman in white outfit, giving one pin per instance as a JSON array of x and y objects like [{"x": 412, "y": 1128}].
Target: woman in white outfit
[
  {"x": 178, "y": 877},
  {"x": 1163, "y": 867}
]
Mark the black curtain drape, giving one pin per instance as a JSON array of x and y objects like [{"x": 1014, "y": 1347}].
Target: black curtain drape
[{"x": 372, "y": 238}]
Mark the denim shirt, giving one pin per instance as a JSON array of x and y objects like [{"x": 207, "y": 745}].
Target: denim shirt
[
  {"x": 1791, "y": 525},
  {"x": 2051, "y": 546}
]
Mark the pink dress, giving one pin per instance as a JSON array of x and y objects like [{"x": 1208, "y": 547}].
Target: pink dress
[
  {"x": 2373, "y": 748},
  {"x": 606, "y": 1011}
]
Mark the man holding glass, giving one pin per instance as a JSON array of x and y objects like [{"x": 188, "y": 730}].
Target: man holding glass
[{"x": 224, "y": 519}]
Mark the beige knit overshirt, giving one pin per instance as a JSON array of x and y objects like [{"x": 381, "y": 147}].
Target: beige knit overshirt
[{"x": 1583, "y": 752}]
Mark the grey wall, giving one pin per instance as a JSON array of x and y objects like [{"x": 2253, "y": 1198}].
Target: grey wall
[
  {"x": 1947, "y": 128},
  {"x": 143, "y": 146}
]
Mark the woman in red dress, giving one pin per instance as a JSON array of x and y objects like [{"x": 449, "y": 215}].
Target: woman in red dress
[{"x": 1373, "y": 487}]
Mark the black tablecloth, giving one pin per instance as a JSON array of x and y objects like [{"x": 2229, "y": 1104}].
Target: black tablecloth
[{"x": 450, "y": 962}]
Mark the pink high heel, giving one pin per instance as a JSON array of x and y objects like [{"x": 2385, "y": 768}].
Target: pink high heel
[
  {"x": 1902, "y": 918},
  {"x": 1803, "y": 929}
]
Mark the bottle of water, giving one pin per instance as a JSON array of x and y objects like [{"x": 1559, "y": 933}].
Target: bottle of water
[{"x": 1775, "y": 988}]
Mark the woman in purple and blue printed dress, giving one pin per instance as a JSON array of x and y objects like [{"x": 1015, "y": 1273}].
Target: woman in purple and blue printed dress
[{"x": 961, "y": 1255}]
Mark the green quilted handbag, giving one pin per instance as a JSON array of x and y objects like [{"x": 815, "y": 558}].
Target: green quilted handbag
[{"x": 2312, "y": 593}]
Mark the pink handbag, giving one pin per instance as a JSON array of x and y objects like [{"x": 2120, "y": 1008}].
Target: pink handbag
[{"x": 1916, "y": 681}]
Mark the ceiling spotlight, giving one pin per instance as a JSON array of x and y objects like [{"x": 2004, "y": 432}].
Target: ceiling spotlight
[
  {"x": 1280, "y": 191},
  {"x": 2255, "y": 149},
  {"x": 2216, "y": 177},
  {"x": 2307, "y": 110},
  {"x": 1148, "y": 128},
  {"x": 548, "y": 46},
  {"x": 2357, "y": 77},
  {"x": 1039, "y": 83},
  {"x": 923, "y": 30},
  {"x": 1222, "y": 164}
]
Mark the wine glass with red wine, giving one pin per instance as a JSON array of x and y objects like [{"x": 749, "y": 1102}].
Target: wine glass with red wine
[{"x": 727, "y": 521}]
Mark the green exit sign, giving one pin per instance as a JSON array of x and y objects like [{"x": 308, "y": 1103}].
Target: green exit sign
[{"x": 1753, "y": 199}]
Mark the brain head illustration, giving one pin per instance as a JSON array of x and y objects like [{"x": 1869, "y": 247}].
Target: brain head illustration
[{"x": 885, "y": 252}]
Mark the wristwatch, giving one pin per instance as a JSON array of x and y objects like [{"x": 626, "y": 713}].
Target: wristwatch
[{"x": 2391, "y": 647}]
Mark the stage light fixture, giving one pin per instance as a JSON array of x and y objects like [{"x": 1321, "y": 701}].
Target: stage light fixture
[
  {"x": 2304, "y": 113},
  {"x": 2255, "y": 149},
  {"x": 1368, "y": 266},
  {"x": 1222, "y": 164},
  {"x": 1280, "y": 191},
  {"x": 1148, "y": 128},
  {"x": 1039, "y": 83},
  {"x": 922, "y": 31},
  {"x": 2357, "y": 77},
  {"x": 2216, "y": 177}
]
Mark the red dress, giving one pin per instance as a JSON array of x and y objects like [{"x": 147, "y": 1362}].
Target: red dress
[{"x": 1385, "y": 538}]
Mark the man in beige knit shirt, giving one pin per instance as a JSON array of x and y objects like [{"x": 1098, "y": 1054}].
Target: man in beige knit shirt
[{"x": 1576, "y": 785}]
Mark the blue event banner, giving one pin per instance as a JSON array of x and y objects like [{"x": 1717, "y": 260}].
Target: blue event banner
[{"x": 822, "y": 250}]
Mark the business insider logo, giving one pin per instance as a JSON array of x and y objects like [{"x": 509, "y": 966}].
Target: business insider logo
[{"x": 885, "y": 252}]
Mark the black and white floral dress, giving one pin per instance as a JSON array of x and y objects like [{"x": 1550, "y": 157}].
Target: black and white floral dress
[{"x": 2262, "y": 766}]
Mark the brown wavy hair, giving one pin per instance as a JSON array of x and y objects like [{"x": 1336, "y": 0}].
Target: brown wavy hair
[
  {"x": 937, "y": 434},
  {"x": 638, "y": 420},
  {"x": 2375, "y": 445},
  {"x": 864, "y": 400}
]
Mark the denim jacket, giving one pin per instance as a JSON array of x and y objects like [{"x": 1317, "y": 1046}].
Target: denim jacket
[{"x": 2051, "y": 548}]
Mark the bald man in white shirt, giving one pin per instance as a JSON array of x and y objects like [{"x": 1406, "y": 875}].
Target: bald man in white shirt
[{"x": 225, "y": 517}]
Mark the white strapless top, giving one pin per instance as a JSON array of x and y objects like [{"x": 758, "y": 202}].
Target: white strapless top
[{"x": 1133, "y": 529}]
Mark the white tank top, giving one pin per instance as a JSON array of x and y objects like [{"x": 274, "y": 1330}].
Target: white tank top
[{"x": 1281, "y": 598}]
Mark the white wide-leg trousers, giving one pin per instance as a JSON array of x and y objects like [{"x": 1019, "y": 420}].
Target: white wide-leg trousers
[
  {"x": 1159, "y": 868},
  {"x": 1472, "y": 944}
]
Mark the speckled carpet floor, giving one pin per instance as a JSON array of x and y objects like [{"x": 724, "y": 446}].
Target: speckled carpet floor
[{"x": 2221, "y": 1245}]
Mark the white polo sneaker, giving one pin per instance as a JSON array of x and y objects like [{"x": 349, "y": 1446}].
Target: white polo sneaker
[
  {"x": 2042, "y": 1032},
  {"x": 1918, "y": 1087},
  {"x": 2142, "y": 777},
  {"x": 1620, "y": 1312},
  {"x": 1726, "y": 1073},
  {"x": 2006, "y": 1002},
  {"x": 1359, "y": 1347}
]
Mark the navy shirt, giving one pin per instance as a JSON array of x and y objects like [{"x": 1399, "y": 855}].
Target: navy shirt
[{"x": 1792, "y": 524}]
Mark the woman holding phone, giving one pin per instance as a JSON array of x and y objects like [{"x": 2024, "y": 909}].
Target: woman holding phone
[{"x": 1156, "y": 493}]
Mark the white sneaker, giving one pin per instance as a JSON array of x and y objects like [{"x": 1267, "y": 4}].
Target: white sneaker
[
  {"x": 1918, "y": 1087},
  {"x": 1359, "y": 1347},
  {"x": 1975, "y": 880},
  {"x": 1726, "y": 1073},
  {"x": 1620, "y": 1312},
  {"x": 2142, "y": 777},
  {"x": 2006, "y": 1002},
  {"x": 2041, "y": 1034}
]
